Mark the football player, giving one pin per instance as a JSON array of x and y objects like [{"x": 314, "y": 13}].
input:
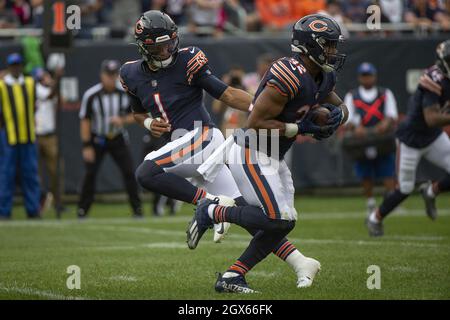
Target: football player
[
  {"x": 282, "y": 103},
  {"x": 166, "y": 92},
  {"x": 421, "y": 135}
]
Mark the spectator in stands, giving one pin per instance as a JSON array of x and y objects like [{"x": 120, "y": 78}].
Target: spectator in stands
[
  {"x": 38, "y": 13},
  {"x": 8, "y": 18},
  {"x": 372, "y": 112},
  {"x": 206, "y": 13},
  {"x": 46, "y": 136},
  {"x": 275, "y": 14},
  {"x": 176, "y": 10},
  {"x": 333, "y": 9},
  {"x": 392, "y": 10},
  {"x": 124, "y": 14},
  {"x": 423, "y": 13},
  {"x": 23, "y": 11},
  {"x": 356, "y": 10},
  {"x": 253, "y": 20},
  {"x": 303, "y": 8}
]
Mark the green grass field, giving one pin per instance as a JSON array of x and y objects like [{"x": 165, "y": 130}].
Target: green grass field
[{"x": 122, "y": 258}]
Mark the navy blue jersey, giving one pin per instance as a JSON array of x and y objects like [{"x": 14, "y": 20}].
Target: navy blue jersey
[
  {"x": 174, "y": 93},
  {"x": 414, "y": 131},
  {"x": 291, "y": 79}
]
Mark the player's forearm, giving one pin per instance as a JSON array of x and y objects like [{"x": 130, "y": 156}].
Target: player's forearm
[
  {"x": 140, "y": 118},
  {"x": 85, "y": 131},
  {"x": 236, "y": 99},
  {"x": 269, "y": 124},
  {"x": 128, "y": 119},
  {"x": 435, "y": 118}
]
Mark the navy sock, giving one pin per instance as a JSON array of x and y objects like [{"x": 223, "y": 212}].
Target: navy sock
[
  {"x": 444, "y": 184},
  {"x": 390, "y": 202}
]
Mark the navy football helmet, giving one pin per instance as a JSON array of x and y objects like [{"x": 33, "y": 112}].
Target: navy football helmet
[
  {"x": 157, "y": 39},
  {"x": 317, "y": 36},
  {"x": 443, "y": 55}
]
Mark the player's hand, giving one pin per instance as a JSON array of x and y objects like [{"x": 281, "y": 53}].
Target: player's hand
[
  {"x": 427, "y": 83},
  {"x": 307, "y": 127},
  {"x": 335, "y": 116},
  {"x": 159, "y": 127},
  {"x": 116, "y": 121},
  {"x": 89, "y": 154}
]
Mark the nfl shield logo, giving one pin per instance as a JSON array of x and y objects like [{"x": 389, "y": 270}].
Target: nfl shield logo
[{"x": 154, "y": 83}]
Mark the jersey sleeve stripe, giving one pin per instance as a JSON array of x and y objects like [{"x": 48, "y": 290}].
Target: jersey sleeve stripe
[
  {"x": 282, "y": 76},
  {"x": 194, "y": 58},
  {"x": 290, "y": 73},
  {"x": 281, "y": 79},
  {"x": 288, "y": 78},
  {"x": 284, "y": 94}
]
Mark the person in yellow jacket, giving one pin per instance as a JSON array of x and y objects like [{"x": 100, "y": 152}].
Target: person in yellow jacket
[{"x": 18, "y": 153}]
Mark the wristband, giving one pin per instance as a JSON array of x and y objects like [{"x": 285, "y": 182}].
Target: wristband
[
  {"x": 87, "y": 144},
  {"x": 291, "y": 130},
  {"x": 148, "y": 123}
]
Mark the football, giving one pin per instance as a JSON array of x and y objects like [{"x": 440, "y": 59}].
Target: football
[{"x": 320, "y": 115}]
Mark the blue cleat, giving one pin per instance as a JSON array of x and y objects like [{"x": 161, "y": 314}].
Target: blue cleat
[
  {"x": 200, "y": 222},
  {"x": 232, "y": 285}
]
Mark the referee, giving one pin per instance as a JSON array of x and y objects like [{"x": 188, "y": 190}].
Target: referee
[{"x": 104, "y": 111}]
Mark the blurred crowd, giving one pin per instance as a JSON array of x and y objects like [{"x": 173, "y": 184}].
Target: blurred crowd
[{"x": 221, "y": 15}]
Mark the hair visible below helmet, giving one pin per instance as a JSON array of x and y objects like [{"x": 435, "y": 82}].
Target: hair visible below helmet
[
  {"x": 312, "y": 35},
  {"x": 154, "y": 32},
  {"x": 443, "y": 57}
]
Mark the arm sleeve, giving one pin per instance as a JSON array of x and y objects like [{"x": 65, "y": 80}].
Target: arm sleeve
[
  {"x": 429, "y": 99},
  {"x": 353, "y": 117},
  {"x": 391, "y": 105},
  {"x": 42, "y": 93},
  {"x": 135, "y": 103},
  {"x": 213, "y": 85}
]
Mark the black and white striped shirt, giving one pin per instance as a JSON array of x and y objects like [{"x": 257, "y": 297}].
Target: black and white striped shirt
[{"x": 99, "y": 106}]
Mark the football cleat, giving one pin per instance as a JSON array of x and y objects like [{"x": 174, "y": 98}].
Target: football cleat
[
  {"x": 199, "y": 223},
  {"x": 220, "y": 231},
  {"x": 430, "y": 202},
  {"x": 309, "y": 268},
  {"x": 375, "y": 229},
  {"x": 232, "y": 285}
]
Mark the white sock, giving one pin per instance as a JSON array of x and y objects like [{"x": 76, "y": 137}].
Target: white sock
[
  {"x": 211, "y": 208},
  {"x": 371, "y": 202},
  {"x": 373, "y": 217},
  {"x": 229, "y": 274},
  {"x": 430, "y": 192},
  {"x": 210, "y": 196},
  {"x": 295, "y": 260}
]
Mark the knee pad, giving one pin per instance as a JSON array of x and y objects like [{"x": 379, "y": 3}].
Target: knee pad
[{"x": 145, "y": 173}]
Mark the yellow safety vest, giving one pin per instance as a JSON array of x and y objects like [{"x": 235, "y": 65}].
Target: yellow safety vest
[{"x": 17, "y": 104}]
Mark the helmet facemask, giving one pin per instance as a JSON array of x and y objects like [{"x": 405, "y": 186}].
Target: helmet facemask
[
  {"x": 443, "y": 59},
  {"x": 160, "y": 53}
]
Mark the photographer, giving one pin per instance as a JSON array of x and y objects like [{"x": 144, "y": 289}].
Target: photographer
[{"x": 369, "y": 137}]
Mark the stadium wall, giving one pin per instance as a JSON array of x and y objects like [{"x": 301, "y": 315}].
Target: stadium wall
[{"x": 398, "y": 60}]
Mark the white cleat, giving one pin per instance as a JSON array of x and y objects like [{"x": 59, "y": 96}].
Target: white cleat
[
  {"x": 308, "y": 270},
  {"x": 221, "y": 229}
]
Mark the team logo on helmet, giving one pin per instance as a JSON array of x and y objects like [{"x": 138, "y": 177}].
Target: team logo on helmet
[
  {"x": 318, "y": 25},
  {"x": 139, "y": 27}
]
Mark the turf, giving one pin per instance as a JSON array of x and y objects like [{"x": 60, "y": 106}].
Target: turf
[{"x": 122, "y": 258}]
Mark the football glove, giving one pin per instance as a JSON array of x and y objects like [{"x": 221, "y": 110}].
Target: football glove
[{"x": 308, "y": 127}]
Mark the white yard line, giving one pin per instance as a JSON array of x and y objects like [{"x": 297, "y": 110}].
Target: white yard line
[
  {"x": 186, "y": 219},
  {"x": 40, "y": 293}
]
